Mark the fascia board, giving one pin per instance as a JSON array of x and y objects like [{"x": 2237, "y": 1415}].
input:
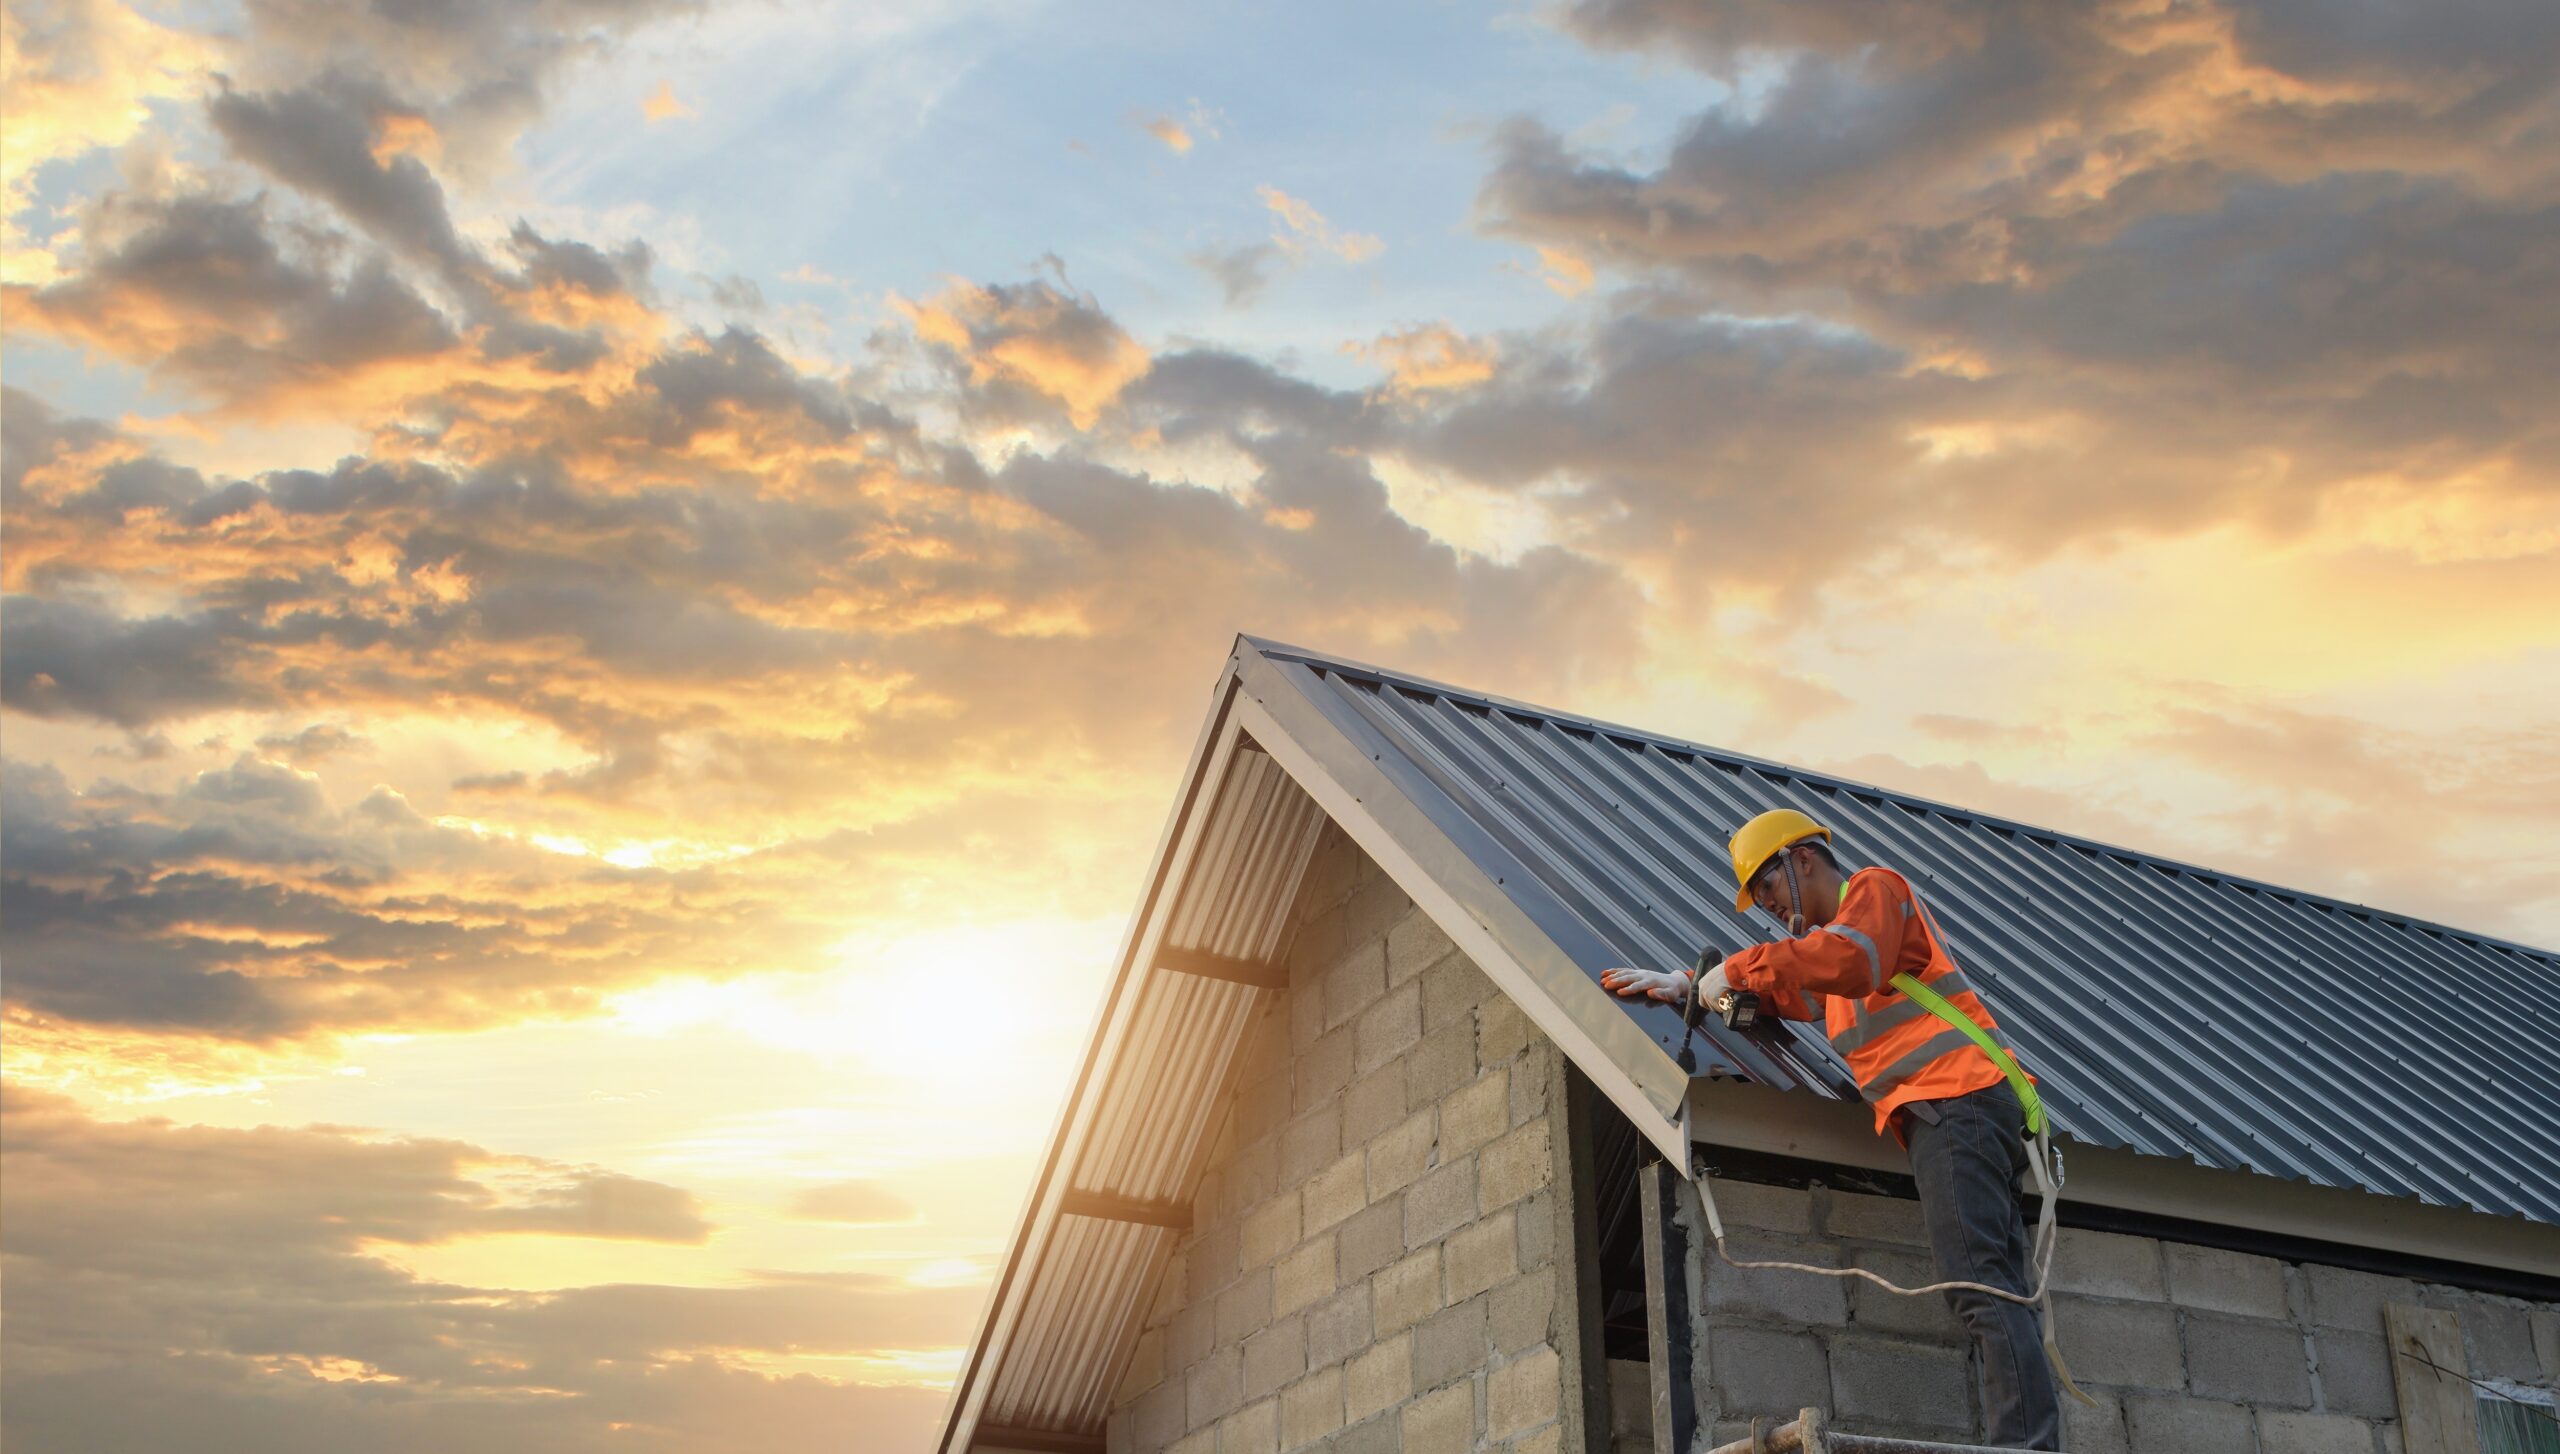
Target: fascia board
[
  {"x": 1563, "y": 1001},
  {"x": 1842, "y": 1133}
]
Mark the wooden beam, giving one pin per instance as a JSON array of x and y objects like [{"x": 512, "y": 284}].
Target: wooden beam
[
  {"x": 1123, "y": 1209},
  {"x": 1035, "y": 1441},
  {"x": 1671, "y": 1323},
  {"x": 1201, "y": 962},
  {"x": 2438, "y": 1412}
]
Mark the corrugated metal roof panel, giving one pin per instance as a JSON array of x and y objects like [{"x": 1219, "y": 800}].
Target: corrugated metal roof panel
[{"x": 2166, "y": 1009}]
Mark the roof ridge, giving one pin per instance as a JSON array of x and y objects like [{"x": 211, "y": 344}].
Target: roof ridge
[{"x": 1283, "y": 651}]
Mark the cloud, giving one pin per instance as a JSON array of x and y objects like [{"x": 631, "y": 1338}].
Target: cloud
[
  {"x": 1241, "y": 273},
  {"x": 240, "y": 1289},
  {"x": 1180, "y": 134},
  {"x": 1428, "y": 357},
  {"x": 852, "y": 1201},
  {"x": 662, "y": 105},
  {"x": 1030, "y": 341},
  {"x": 1169, "y": 131},
  {"x": 1304, "y": 230},
  {"x": 79, "y": 75}
]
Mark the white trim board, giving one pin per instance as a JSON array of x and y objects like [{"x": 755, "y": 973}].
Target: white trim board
[{"x": 1761, "y": 1118}]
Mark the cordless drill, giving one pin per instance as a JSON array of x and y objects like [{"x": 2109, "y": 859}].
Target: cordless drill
[{"x": 1739, "y": 1009}]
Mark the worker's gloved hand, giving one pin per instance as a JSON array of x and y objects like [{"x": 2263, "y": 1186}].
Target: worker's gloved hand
[
  {"x": 1670, "y": 987},
  {"x": 1713, "y": 986}
]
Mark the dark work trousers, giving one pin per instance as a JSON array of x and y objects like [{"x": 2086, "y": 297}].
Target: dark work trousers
[{"x": 1968, "y": 1158}]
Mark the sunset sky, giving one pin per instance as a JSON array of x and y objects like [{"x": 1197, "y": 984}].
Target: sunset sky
[{"x": 606, "y": 597}]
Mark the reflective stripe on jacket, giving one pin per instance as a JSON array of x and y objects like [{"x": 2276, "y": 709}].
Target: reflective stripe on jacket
[{"x": 1898, "y": 1050}]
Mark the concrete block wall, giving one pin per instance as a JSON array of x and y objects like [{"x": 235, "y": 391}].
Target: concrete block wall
[
  {"x": 2185, "y": 1348},
  {"x": 1374, "y": 1262}
]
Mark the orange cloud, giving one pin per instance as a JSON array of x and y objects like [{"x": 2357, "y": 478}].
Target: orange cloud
[
  {"x": 76, "y": 76},
  {"x": 662, "y": 105},
  {"x": 1035, "y": 337},
  {"x": 1304, "y": 230},
  {"x": 1428, "y": 357}
]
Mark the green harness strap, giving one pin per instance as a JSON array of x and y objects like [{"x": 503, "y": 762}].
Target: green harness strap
[{"x": 1938, "y": 1005}]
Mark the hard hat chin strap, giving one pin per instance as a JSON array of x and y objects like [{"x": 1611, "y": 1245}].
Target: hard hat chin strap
[{"x": 1795, "y": 892}]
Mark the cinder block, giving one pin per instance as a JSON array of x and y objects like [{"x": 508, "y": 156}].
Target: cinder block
[
  {"x": 1244, "y": 1308},
  {"x": 1450, "y": 1344},
  {"x": 1874, "y": 1310},
  {"x": 2107, "y": 1264},
  {"x": 2248, "y": 1361},
  {"x": 1339, "y": 1326},
  {"x": 1203, "y": 1442},
  {"x": 1475, "y": 1113},
  {"x": 1311, "y": 1408},
  {"x": 1302, "y": 1275},
  {"x": 1145, "y": 1370},
  {"x": 1214, "y": 1388},
  {"x": 1547, "y": 1440},
  {"x": 1523, "y": 1393},
  {"x": 2127, "y": 1344},
  {"x": 2354, "y": 1374},
  {"x": 1414, "y": 944},
  {"x": 1480, "y": 1255},
  {"x": 1443, "y": 1060},
  {"x": 1502, "y": 1030},
  {"x": 2213, "y": 1280},
  {"x": 2546, "y": 1343},
  {"x": 1875, "y": 1383},
  {"x": 1310, "y": 1143},
  {"x": 1451, "y": 990},
  {"x": 1755, "y": 1204},
  {"x": 1518, "y": 1164},
  {"x": 1191, "y": 1333},
  {"x": 1442, "y": 1422},
  {"x": 1355, "y": 982},
  {"x": 2303, "y": 1433},
  {"x": 1275, "y": 1357},
  {"x": 1872, "y": 1218},
  {"x": 1532, "y": 1071},
  {"x": 1630, "y": 1403},
  {"x": 2497, "y": 1333},
  {"x": 1375, "y": 907},
  {"x": 1158, "y": 1418},
  {"x": 1522, "y": 1311},
  {"x": 1402, "y": 1154},
  {"x": 1764, "y": 1371},
  {"x": 1323, "y": 1070},
  {"x": 1404, "y": 1293},
  {"x": 2342, "y": 1298},
  {"x": 1374, "y": 1103},
  {"x": 2173, "y": 1424},
  {"x": 1775, "y": 1294},
  {"x": 1379, "y": 1379},
  {"x": 1537, "y": 1214},
  {"x": 1370, "y": 1240},
  {"x": 1389, "y": 1027},
  {"x": 1442, "y": 1201},
  {"x": 1378, "y": 1436},
  {"x": 1335, "y": 1193},
  {"x": 1270, "y": 1229},
  {"x": 2094, "y": 1430},
  {"x": 1209, "y": 1263},
  {"x": 1253, "y": 1429}
]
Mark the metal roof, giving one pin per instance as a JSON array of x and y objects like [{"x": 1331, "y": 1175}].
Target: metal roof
[{"x": 2166, "y": 1009}]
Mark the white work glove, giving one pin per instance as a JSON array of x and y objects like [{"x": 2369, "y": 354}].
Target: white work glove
[{"x": 1671, "y": 987}]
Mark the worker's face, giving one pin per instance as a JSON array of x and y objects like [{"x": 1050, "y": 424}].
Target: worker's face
[{"x": 1769, "y": 890}]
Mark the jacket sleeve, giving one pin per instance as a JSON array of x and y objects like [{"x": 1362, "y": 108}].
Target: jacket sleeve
[
  {"x": 1852, "y": 955},
  {"x": 1786, "y": 1004}
]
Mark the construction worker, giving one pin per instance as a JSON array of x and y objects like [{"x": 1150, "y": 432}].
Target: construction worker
[{"x": 1932, "y": 1086}]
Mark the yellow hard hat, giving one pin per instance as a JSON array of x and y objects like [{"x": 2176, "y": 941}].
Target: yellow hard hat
[{"x": 1761, "y": 839}]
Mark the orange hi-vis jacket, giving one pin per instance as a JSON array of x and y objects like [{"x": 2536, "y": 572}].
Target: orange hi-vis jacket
[{"x": 1898, "y": 1050}]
